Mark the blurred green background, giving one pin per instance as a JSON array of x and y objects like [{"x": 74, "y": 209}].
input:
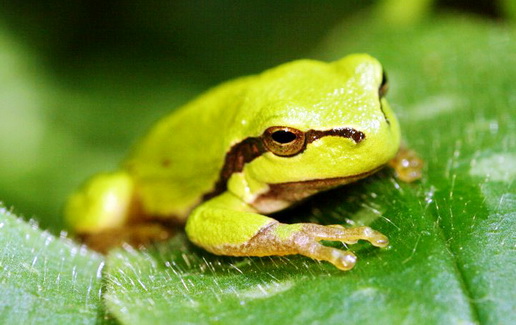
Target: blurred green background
[{"x": 82, "y": 80}]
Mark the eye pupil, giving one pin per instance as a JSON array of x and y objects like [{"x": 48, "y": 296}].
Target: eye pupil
[
  {"x": 284, "y": 141},
  {"x": 283, "y": 136}
]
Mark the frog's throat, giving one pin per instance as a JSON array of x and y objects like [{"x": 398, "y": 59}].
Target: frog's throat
[
  {"x": 282, "y": 195},
  {"x": 253, "y": 147}
]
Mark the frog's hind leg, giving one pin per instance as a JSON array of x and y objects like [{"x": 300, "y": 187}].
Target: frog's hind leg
[{"x": 105, "y": 213}]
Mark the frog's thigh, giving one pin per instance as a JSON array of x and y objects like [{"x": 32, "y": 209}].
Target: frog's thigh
[{"x": 226, "y": 226}]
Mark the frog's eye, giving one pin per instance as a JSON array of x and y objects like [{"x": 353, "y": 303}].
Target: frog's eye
[
  {"x": 284, "y": 141},
  {"x": 384, "y": 86}
]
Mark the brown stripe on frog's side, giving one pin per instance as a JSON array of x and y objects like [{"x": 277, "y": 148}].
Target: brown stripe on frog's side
[
  {"x": 239, "y": 155},
  {"x": 253, "y": 147}
]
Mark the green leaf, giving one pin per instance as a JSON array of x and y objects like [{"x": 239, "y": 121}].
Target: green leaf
[
  {"x": 451, "y": 258},
  {"x": 44, "y": 279}
]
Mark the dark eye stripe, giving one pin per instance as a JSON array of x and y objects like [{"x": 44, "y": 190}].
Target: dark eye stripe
[
  {"x": 253, "y": 147},
  {"x": 349, "y": 133},
  {"x": 239, "y": 155}
]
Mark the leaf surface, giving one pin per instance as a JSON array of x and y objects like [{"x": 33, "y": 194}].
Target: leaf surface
[
  {"x": 451, "y": 256},
  {"x": 44, "y": 279}
]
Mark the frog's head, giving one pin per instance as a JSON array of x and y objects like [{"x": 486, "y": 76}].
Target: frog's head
[{"x": 320, "y": 122}]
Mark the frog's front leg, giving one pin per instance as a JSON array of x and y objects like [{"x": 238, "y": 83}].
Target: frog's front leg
[{"x": 227, "y": 226}]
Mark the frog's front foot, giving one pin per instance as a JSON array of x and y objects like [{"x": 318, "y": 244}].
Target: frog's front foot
[
  {"x": 407, "y": 165},
  {"x": 245, "y": 233},
  {"x": 305, "y": 239}
]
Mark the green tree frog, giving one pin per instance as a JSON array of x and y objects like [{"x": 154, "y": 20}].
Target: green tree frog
[{"x": 245, "y": 149}]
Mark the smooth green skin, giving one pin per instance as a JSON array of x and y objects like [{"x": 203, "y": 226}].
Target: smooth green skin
[{"x": 180, "y": 158}]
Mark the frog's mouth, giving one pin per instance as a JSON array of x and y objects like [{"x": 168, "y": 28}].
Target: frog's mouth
[{"x": 282, "y": 195}]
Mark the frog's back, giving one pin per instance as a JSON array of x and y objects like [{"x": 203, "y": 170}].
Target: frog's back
[{"x": 179, "y": 160}]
